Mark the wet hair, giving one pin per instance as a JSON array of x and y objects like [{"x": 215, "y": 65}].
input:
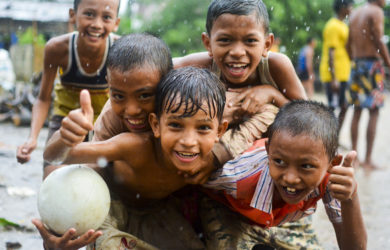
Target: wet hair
[
  {"x": 76, "y": 4},
  {"x": 310, "y": 118},
  {"x": 339, "y": 4},
  {"x": 192, "y": 88},
  {"x": 237, "y": 7},
  {"x": 139, "y": 50}
]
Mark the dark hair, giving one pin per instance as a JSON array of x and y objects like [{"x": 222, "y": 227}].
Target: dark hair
[
  {"x": 76, "y": 4},
  {"x": 311, "y": 118},
  {"x": 339, "y": 4},
  {"x": 309, "y": 39},
  {"x": 237, "y": 7},
  {"x": 195, "y": 87},
  {"x": 138, "y": 50}
]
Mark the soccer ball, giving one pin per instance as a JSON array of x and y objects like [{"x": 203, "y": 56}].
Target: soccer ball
[{"x": 73, "y": 196}]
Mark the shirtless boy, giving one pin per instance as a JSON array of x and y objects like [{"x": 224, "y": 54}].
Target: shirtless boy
[{"x": 367, "y": 50}]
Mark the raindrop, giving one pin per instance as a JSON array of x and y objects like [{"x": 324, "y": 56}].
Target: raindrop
[
  {"x": 284, "y": 91},
  {"x": 20, "y": 27},
  {"x": 307, "y": 28},
  {"x": 102, "y": 162},
  {"x": 181, "y": 229},
  {"x": 296, "y": 27},
  {"x": 137, "y": 196},
  {"x": 273, "y": 101},
  {"x": 272, "y": 8},
  {"x": 107, "y": 7},
  {"x": 184, "y": 51},
  {"x": 378, "y": 51},
  {"x": 50, "y": 65},
  {"x": 320, "y": 12},
  {"x": 200, "y": 236},
  {"x": 189, "y": 39},
  {"x": 125, "y": 80},
  {"x": 87, "y": 64},
  {"x": 364, "y": 31}
]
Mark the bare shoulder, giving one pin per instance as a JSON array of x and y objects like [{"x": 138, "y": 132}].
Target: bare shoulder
[
  {"x": 134, "y": 144},
  {"x": 57, "y": 48},
  {"x": 278, "y": 62},
  {"x": 199, "y": 59}
]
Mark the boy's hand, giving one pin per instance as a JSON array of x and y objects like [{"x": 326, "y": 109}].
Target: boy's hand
[
  {"x": 342, "y": 178},
  {"x": 66, "y": 241},
  {"x": 76, "y": 125},
  {"x": 253, "y": 98},
  {"x": 23, "y": 153}
]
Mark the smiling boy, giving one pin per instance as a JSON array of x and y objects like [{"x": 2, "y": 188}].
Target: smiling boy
[{"x": 283, "y": 180}]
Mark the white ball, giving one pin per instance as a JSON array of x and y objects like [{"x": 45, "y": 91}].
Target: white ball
[{"x": 73, "y": 196}]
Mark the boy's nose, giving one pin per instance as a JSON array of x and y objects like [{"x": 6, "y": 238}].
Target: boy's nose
[
  {"x": 291, "y": 177},
  {"x": 237, "y": 50},
  {"x": 188, "y": 139},
  {"x": 132, "y": 109},
  {"x": 97, "y": 23}
]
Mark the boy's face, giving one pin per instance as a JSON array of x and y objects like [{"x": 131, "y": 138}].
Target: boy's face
[
  {"x": 132, "y": 96},
  {"x": 187, "y": 141},
  {"x": 237, "y": 44},
  {"x": 297, "y": 165},
  {"x": 95, "y": 20}
]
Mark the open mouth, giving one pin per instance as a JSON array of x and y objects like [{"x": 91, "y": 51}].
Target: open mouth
[
  {"x": 291, "y": 192},
  {"x": 186, "y": 157},
  {"x": 137, "y": 124},
  {"x": 237, "y": 68}
]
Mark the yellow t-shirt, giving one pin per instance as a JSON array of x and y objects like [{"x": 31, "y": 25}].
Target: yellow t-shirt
[{"x": 335, "y": 35}]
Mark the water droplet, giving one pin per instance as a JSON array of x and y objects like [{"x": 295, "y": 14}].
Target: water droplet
[
  {"x": 296, "y": 27},
  {"x": 125, "y": 80},
  {"x": 102, "y": 162},
  {"x": 87, "y": 64},
  {"x": 273, "y": 101},
  {"x": 50, "y": 65},
  {"x": 19, "y": 27},
  {"x": 272, "y": 8},
  {"x": 181, "y": 228},
  {"x": 307, "y": 28},
  {"x": 189, "y": 40},
  {"x": 137, "y": 196},
  {"x": 320, "y": 12},
  {"x": 184, "y": 51},
  {"x": 284, "y": 91},
  {"x": 364, "y": 31},
  {"x": 378, "y": 51},
  {"x": 107, "y": 7}
]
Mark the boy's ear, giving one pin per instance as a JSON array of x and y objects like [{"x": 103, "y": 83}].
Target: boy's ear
[
  {"x": 269, "y": 40},
  {"x": 221, "y": 129},
  {"x": 118, "y": 20},
  {"x": 72, "y": 16},
  {"x": 267, "y": 146},
  {"x": 154, "y": 124},
  {"x": 206, "y": 43}
]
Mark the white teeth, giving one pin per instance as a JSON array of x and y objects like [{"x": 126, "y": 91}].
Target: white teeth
[
  {"x": 136, "y": 122},
  {"x": 187, "y": 154},
  {"x": 292, "y": 190},
  {"x": 94, "y": 34},
  {"x": 237, "y": 65}
]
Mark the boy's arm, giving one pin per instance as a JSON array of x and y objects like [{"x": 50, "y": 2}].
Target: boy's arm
[
  {"x": 351, "y": 232},
  {"x": 285, "y": 77},
  {"x": 41, "y": 106},
  {"x": 377, "y": 33},
  {"x": 200, "y": 59}
]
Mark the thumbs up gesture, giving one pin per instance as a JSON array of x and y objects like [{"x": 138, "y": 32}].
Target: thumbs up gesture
[
  {"x": 76, "y": 125},
  {"x": 343, "y": 184}
]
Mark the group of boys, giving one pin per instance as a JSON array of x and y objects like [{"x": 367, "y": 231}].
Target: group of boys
[{"x": 164, "y": 128}]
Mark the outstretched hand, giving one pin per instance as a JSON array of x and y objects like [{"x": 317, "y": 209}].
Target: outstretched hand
[
  {"x": 76, "y": 125},
  {"x": 342, "y": 178},
  {"x": 66, "y": 241},
  {"x": 23, "y": 153}
]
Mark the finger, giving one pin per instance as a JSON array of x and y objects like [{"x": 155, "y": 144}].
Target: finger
[
  {"x": 64, "y": 240},
  {"x": 85, "y": 104},
  {"x": 349, "y": 159},
  {"x": 85, "y": 239},
  {"x": 340, "y": 179},
  {"x": 45, "y": 234},
  {"x": 78, "y": 126},
  {"x": 236, "y": 100}
]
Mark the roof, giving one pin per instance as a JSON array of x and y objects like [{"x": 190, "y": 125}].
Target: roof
[{"x": 35, "y": 11}]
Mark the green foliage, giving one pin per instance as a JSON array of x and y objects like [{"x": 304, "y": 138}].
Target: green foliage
[{"x": 28, "y": 37}]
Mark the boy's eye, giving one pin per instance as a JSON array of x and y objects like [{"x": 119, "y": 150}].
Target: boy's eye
[
  {"x": 223, "y": 40},
  {"x": 88, "y": 13},
  {"x": 279, "y": 162},
  {"x": 145, "y": 96},
  {"x": 307, "y": 166},
  {"x": 107, "y": 17},
  {"x": 174, "y": 125},
  {"x": 204, "y": 127},
  {"x": 117, "y": 97},
  {"x": 251, "y": 40}
]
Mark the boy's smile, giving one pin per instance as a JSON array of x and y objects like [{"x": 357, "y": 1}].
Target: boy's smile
[
  {"x": 132, "y": 95},
  {"x": 297, "y": 165},
  {"x": 95, "y": 20},
  {"x": 237, "y": 44}
]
